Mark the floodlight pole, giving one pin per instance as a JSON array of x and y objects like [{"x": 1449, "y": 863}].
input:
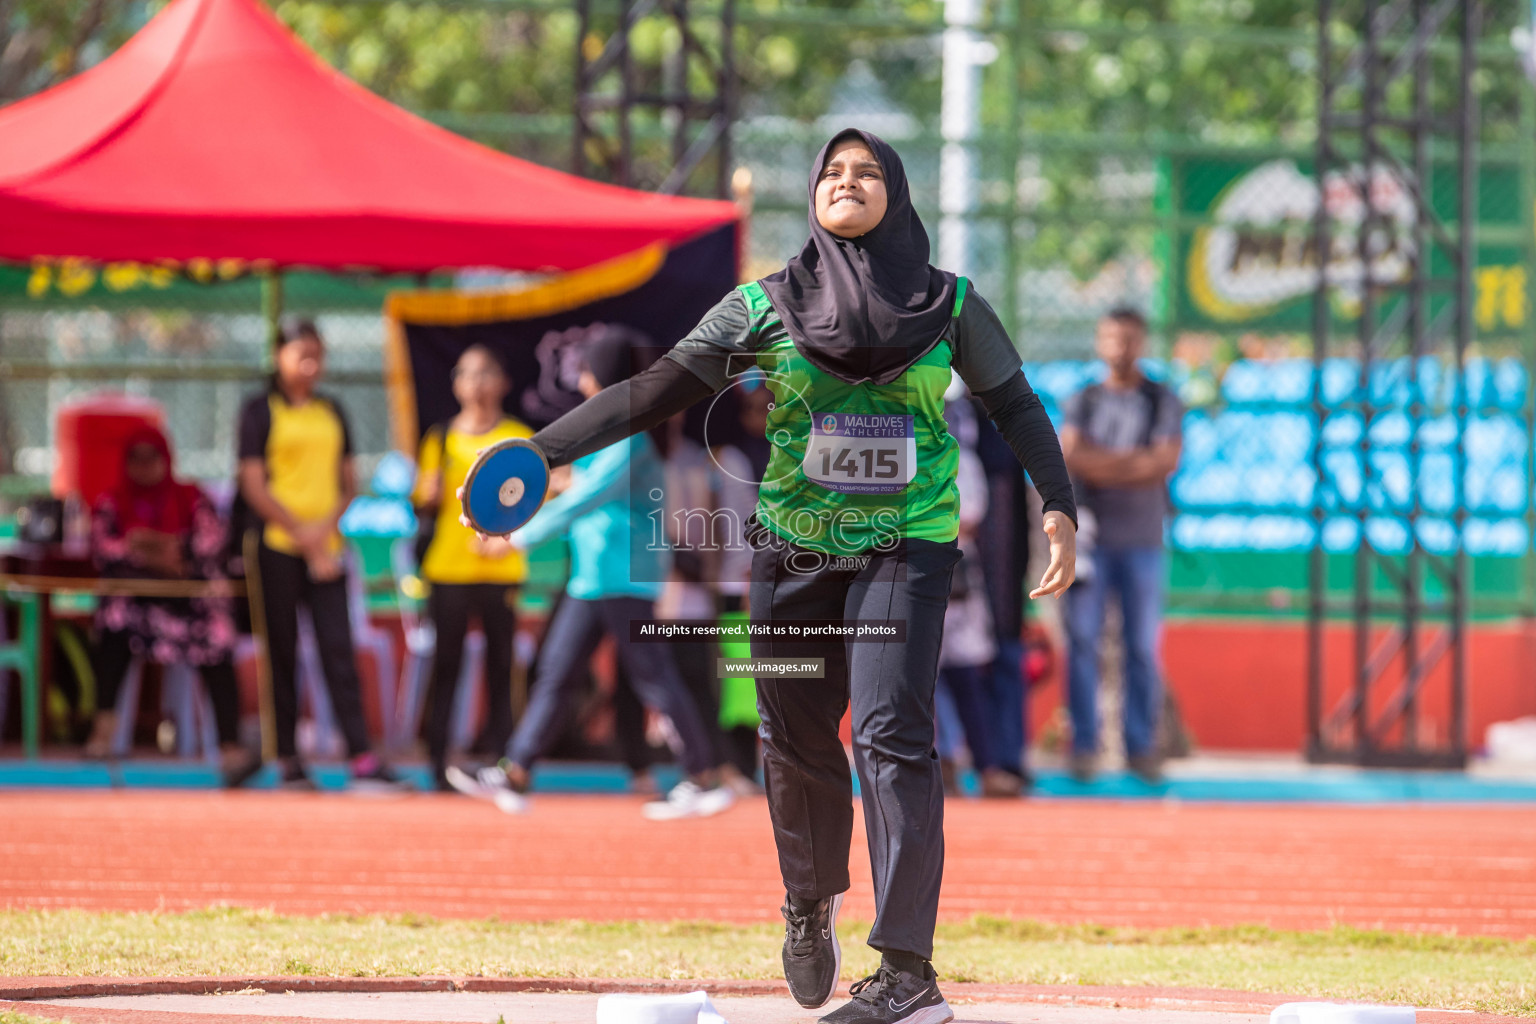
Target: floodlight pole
[
  {"x": 966, "y": 52},
  {"x": 613, "y": 88},
  {"x": 272, "y": 313},
  {"x": 1408, "y": 600},
  {"x": 1322, "y": 240}
]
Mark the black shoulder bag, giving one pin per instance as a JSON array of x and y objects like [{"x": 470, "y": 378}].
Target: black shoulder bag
[{"x": 426, "y": 515}]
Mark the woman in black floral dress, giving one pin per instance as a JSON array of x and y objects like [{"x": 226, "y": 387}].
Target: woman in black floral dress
[{"x": 153, "y": 526}]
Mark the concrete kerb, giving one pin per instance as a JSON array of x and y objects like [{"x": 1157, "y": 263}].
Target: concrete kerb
[{"x": 18, "y": 991}]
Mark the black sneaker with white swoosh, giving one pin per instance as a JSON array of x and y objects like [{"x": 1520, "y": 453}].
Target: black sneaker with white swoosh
[
  {"x": 812, "y": 957},
  {"x": 890, "y": 996}
]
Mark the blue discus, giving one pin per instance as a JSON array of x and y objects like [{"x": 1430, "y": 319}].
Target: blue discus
[{"x": 505, "y": 487}]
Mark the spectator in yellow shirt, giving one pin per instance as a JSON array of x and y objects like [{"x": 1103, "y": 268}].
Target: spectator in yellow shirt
[
  {"x": 469, "y": 575},
  {"x": 296, "y": 473}
]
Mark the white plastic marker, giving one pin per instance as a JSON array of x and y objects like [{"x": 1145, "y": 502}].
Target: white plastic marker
[
  {"x": 681, "y": 1008},
  {"x": 1340, "y": 1013}
]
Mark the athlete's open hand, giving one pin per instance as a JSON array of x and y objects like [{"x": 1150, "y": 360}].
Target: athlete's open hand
[
  {"x": 559, "y": 480},
  {"x": 1063, "y": 568},
  {"x": 464, "y": 519},
  {"x": 489, "y": 545}
]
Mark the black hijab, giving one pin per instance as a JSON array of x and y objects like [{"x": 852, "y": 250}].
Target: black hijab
[{"x": 866, "y": 308}]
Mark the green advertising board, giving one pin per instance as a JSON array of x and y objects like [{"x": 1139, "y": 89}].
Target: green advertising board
[{"x": 1244, "y": 257}]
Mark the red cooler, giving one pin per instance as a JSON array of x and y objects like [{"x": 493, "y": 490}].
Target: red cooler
[{"x": 89, "y": 435}]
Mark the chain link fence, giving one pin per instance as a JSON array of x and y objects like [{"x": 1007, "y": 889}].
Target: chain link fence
[{"x": 1118, "y": 160}]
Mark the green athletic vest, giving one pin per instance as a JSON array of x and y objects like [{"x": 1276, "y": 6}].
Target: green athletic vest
[{"x": 855, "y": 466}]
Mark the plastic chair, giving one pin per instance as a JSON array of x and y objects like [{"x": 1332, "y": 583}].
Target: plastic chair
[
  {"x": 309, "y": 679},
  {"x": 420, "y": 648},
  {"x": 366, "y": 637},
  {"x": 309, "y": 676},
  {"x": 20, "y": 656},
  {"x": 420, "y": 643},
  {"x": 377, "y": 642},
  {"x": 183, "y": 697},
  {"x": 468, "y": 698}
]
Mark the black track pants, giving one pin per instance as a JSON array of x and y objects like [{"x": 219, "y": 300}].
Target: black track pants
[
  {"x": 285, "y": 585},
  {"x": 890, "y": 685},
  {"x": 112, "y": 657},
  {"x": 451, "y": 607}
]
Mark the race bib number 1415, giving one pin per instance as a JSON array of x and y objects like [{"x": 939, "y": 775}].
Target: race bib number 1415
[{"x": 861, "y": 454}]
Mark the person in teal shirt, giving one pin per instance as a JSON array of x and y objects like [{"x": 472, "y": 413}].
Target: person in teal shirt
[
  {"x": 608, "y": 512},
  {"x": 610, "y": 534}
]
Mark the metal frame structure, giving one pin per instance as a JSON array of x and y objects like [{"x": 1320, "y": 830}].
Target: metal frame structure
[
  {"x": 1407, "y": 609},
  {"x": 608, "y": 82}
]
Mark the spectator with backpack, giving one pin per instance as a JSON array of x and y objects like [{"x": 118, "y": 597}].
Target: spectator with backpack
[
  {"x": 1002, "y": 548},
  {"x": 970, "y": 644},
  {"x": 606, "y": 505},
  {"x": 1121, "y": 440},
  {"x": 469, "y": 576},
  {"x": 296, "y": 474}
]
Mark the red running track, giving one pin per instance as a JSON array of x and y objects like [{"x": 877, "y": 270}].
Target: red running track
[{"x": 1470, "y": 870}]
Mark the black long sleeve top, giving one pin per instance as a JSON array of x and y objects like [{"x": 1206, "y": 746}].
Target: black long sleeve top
[{"x": 724, "y": 343}]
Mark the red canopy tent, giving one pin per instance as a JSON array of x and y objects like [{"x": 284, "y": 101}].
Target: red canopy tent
[{"x": 214, "y": 133}]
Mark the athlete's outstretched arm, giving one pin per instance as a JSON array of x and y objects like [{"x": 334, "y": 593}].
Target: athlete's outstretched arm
[
  {"x": 990, "y": 366},
  {"x": 628, "y": 407},
  {"x": 696, "y": 367},
  {"x": 1016, "y": 409}
]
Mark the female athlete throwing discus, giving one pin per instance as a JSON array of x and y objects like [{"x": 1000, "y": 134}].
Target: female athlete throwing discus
[{"x": 856, "y": 521}]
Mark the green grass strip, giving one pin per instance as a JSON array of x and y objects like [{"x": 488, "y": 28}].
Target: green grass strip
[{"x": 1445, "y": 971}]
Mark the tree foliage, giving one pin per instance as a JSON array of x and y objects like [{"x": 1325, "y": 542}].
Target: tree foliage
[
  {"x": 1087, "y": 92},
  {"x": 1221, "y": 71},
  {"x": 43, "y": 42}
]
